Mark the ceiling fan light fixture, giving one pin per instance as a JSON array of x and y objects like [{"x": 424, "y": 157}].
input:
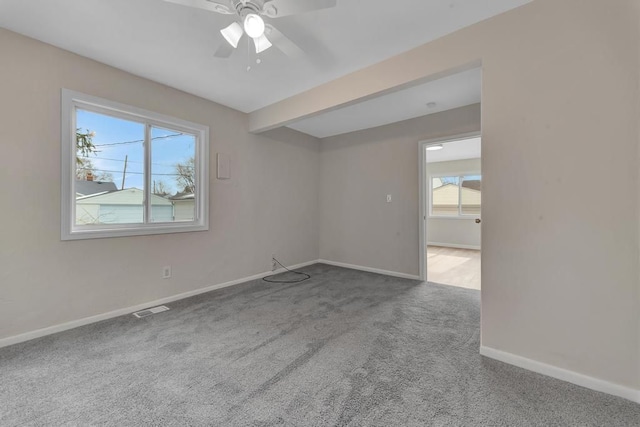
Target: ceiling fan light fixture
[
  {"x": 232, "y": 34},
  {"x": 262, "y": 43},
  {"x": 253, "y": 25}
]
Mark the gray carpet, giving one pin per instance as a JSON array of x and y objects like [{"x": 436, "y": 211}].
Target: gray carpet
[{"x": 344, "y": 348}]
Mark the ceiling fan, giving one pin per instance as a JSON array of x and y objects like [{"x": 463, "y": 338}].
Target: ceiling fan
[{"x": 249, "y": 20}]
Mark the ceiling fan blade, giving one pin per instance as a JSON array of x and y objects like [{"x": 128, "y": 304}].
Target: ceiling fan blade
[
  {"x": 278, "y": 8},
  {"x": 283, "y": 43},
  {"x": 218, "y": 6},
  {"x": 224, "y": 50}
]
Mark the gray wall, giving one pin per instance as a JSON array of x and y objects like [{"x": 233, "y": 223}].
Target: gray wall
[
  {"x": 270, "y": 204},
  {"x": 359, "y": 169},
  {"x": 453, "y": 232},
  {"x": 560, "y": 276}
]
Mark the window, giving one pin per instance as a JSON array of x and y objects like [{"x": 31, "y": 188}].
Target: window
[
  {"x": 456, "y": 196},
  {"x": 127, "y": 171}
]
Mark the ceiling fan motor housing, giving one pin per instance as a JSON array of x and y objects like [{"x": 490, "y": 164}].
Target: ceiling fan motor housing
[{"x": 246, "y": 7}]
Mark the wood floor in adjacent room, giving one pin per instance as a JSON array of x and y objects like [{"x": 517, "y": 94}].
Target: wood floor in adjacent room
[{"x": 454, "y": 267}]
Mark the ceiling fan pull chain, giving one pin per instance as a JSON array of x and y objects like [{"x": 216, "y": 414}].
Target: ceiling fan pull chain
[{"x": 248, "y": 54}]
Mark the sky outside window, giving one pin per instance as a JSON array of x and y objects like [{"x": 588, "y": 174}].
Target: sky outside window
[{"x": 117, "y": 140}]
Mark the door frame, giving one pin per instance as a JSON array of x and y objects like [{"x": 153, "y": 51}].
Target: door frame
[{"x": 422, "y": 196}]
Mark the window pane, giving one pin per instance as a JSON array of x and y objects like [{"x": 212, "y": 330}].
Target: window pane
[
  {"x": 445, "y": 196},
  {"x": 471, "y": 194},
  {"x": 173, "y": 175},
  {"x": 109, "y": 170}
]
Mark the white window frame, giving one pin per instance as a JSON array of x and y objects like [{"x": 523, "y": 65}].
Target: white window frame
[
  {"x": 458, "y": 175},
  {"x": 71, "y": 101}
]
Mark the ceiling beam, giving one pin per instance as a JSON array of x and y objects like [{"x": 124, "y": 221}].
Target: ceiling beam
[{"x": 451, "y": 54}]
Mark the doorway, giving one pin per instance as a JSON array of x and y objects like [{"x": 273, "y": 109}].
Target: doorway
[{"x": 451, "y": 205}]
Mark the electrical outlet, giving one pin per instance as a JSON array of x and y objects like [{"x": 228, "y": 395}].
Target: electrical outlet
[
  {"x": 274, "y": 263},
  {"x": 166, "y": 272}
]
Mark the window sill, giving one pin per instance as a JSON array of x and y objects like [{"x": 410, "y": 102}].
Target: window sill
[
  {"x": 468, "y": 218},
  {"x": 132, "y": 231}
]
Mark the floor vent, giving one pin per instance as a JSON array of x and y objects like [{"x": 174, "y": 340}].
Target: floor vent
[{"x": 149, "y": 311}]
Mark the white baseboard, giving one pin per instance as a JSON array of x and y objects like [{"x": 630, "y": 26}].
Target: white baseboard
[
  {"x": 4, "y": 342},
  {"x": 370, "y": 270},
  {"x": 453, "y": 245},
  {"x": 522, "y": 362},
  {"x": 563, "y": 374}
]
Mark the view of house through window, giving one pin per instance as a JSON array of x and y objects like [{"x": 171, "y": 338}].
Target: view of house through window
[
  {"x": 456, "y": 195},
  {"x": 173, "y": 175},
  {"x": 112, "y": 177},
  {"x": 131, "y": 171}
]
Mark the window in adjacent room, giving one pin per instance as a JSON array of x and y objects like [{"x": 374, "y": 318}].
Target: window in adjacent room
[
  {"x": 456, "y": 195},
  {"x": 128, "y": 171}
]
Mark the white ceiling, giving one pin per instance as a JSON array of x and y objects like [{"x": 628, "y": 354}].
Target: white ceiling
[
  {"x": 456, "y": 150},
  {"x": 174, "y": 45},
  {"x": 450, "y": 92}
]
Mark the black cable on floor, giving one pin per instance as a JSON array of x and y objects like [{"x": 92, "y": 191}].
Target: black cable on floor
[{"x": 307, "y": 276}]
